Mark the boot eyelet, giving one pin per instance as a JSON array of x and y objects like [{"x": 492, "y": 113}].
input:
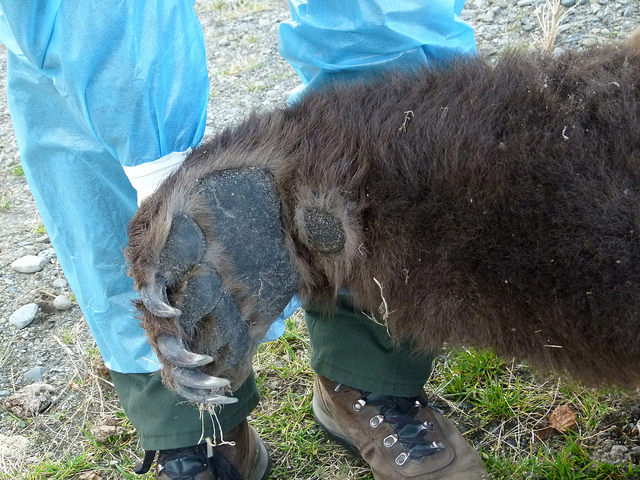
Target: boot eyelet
[
  {"x": 376, "y": 421},
  {"x": 437, "y": 446},
  {"x": 402, "y": 459},
  {"x": 390, "y": 441},
  {"x": 359, "y": 405}
]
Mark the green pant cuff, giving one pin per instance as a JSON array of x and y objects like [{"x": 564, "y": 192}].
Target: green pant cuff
[
  {"x": 164, "y": 420},
  {"x": 383, "y": 386}
]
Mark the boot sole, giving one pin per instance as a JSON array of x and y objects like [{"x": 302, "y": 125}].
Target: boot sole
[{"x": 264, "y": 454}]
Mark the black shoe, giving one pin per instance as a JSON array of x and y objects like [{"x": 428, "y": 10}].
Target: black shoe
[{"x": 247, "y": 460}]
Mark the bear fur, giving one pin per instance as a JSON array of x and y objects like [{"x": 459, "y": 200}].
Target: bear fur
[{"x": 492, "y": 205}]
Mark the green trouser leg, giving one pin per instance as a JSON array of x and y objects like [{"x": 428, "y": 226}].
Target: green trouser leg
[
  {"x": 351, "y": 349},
  {"x": 346, "y": 347},
  {"x": 164, "y": 420}
]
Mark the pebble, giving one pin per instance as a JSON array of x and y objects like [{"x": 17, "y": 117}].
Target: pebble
[
  {"x": 29, "y": 264},
  {"x": 62, "y": 302},
  {"x": 629, "y": 11},
  {"x": 13, "y": 446},
  {"x": 568, "y": 3},
  {"x": 589, "y": 42},
  {"x": 524, "y": 3},
  {"x": 48, "y": 253},
  {"x": 60, "y": 283},
  {"x": 36, "y": 374},
  {"x": 31, "y": 400},
  {"x": 24, "y": 315}
]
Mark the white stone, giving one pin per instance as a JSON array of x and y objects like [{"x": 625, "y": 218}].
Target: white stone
[
  {"x": 60, "y": 283},
  {"x": 13, "y": 447},
  {"x": 29, "y": 264},
  {"x": 24, "y": 315},
  {"x": 62, "y": 302}
]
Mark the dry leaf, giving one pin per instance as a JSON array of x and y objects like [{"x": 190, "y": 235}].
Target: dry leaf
[
  {"x": 90, "y": 476},
  {"x": 542, "y": 431},
  {"x": 563, "y": 419}
]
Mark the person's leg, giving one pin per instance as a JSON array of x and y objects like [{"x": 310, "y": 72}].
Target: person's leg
[
  {"x": 85, "y": 201},
  {"x": 155, "y": 412},
  {"x": 369, "y": 396},
  {"x": 352, "y": 349}
]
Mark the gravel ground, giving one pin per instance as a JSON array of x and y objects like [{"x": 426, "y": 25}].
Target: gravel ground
[{"x": 246, "y": 74}]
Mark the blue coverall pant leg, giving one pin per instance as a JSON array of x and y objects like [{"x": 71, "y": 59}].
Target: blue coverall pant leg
[{"x": 85, "y": 201}]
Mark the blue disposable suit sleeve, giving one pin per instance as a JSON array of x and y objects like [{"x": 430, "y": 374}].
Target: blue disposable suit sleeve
[
  {"x": 133, "y": 72},
  {"x": 328, "y": 40}
]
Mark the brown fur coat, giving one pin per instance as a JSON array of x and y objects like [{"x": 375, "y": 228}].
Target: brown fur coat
[{"x": 495, "y": 206}]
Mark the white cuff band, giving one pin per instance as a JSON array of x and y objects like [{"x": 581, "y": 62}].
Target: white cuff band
[{"x": 146, "y": 177}]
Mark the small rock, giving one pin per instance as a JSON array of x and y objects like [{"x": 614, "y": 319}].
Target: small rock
[
  {"x": 62, "y": 302},
  {"x": 24, "y": 315},
  {"x": 102, "y": 433},
  {"x": 568, "y": 3},
  {"x": 617, "y": 455},
  {"x": 635, "y": 454},
  {"x": 488, "y": 17},
  {"x": 90, "y": 476},
  {"x": 43, "y": 239},
  {"x": 106, "y": 426},
  {"x": 13, "y": 446},
  {"x": 29, "y": 264},
  {"x": 629, "y": 11},
  {"x": 589, "y": 42},
  {"x": 35, "y": 374},
  {"x": 30, "y": 400},
  {"x": 60, "y": 283},
  {"x": 619, "y": 450},
  {"x": 524, "y": 3},
  {"x": 48, "y": 253}
]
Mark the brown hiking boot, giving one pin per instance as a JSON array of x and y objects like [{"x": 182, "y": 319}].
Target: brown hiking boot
[
  {"x": 399, "y": 437},
  {"x": 246, "y": 460}
]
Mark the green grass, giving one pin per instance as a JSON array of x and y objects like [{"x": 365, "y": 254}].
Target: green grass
[
  {"x": 18, "y": 171},
  {"x": 497, "y": 403},
  {"x": 5, "y": 203}
]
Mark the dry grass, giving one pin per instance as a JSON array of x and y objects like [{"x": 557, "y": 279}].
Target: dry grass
[{"x": 549, "y": 17}]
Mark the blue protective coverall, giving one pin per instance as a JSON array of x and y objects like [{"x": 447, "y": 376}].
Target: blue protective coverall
[{"x": 99, "y": 88}]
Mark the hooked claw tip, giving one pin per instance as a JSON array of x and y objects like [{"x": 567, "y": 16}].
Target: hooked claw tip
[
  {"x": 154, "y": 298},
  {"x": 197, "y": 379},
  {"x": 208, "y": 397},
  {"x": 175, "y": 351}
]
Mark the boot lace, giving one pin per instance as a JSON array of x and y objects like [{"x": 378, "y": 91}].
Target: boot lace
[
  {"x": 410, "y": 432},
  {"x": 186, "y": 463}
]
